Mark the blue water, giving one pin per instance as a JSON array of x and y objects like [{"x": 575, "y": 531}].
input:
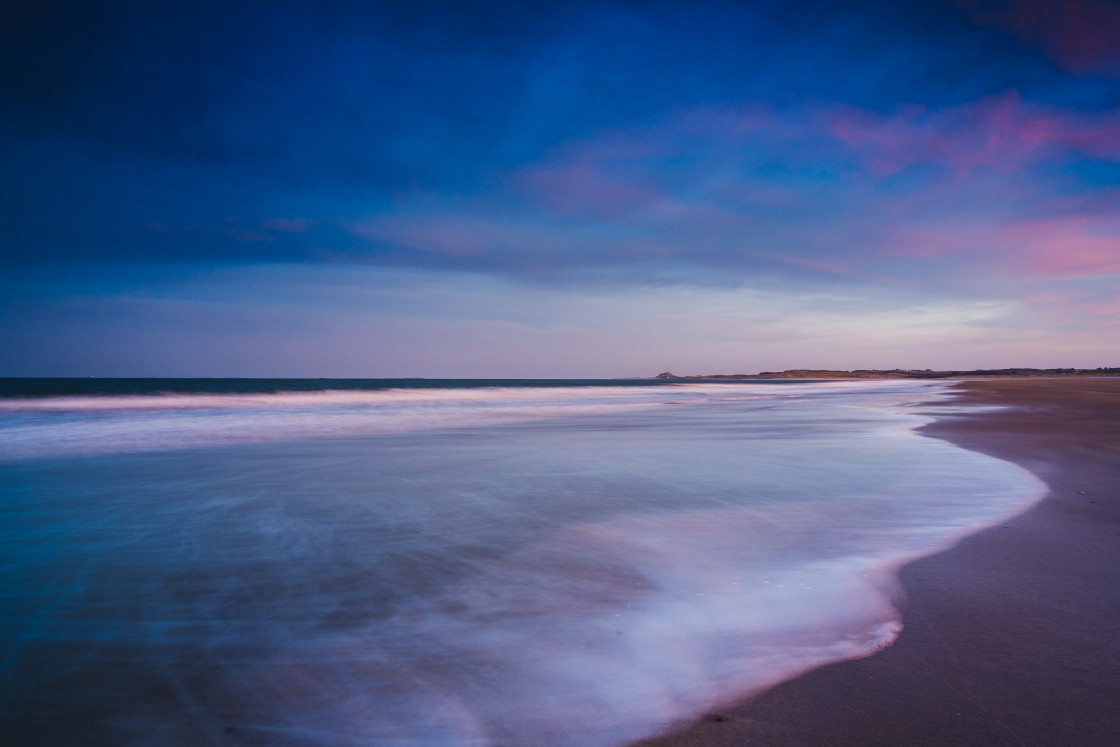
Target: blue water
[{"x": 577, "y": 563}]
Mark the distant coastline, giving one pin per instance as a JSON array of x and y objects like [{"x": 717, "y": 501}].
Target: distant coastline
[{"x": 898, "y": 373}]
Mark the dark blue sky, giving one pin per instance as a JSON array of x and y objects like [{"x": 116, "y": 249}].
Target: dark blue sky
[{"x": 451, "y": 188}]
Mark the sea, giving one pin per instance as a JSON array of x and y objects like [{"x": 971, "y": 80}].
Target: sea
[{"x": 414, "y": 561}]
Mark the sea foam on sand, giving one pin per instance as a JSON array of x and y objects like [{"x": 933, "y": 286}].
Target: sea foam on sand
[{"x": 566, "y": 566}]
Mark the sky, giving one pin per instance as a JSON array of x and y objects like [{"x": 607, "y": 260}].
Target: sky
[{"x": 567, "y": 189}]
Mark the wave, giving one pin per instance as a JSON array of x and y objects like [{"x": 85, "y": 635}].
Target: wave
[{"x": 76, "y": 425}]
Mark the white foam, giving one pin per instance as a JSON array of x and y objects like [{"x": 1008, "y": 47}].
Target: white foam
[
  {"x": 616, "y": 630},
  {"x": 82, "y": 425}
]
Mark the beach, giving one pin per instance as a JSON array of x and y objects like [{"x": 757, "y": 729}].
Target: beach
[{"x": 1010, "y": 636}]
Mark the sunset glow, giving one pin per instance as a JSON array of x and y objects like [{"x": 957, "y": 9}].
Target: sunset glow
[{"x": 588, "y": 189}]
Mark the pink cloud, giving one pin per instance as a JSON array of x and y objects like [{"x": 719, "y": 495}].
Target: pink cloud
[
  {"x": 999, "y": 133},
  {"x": 1067, "y": 246},
  {"x": 585, "y": 186},
  {"x": 937, "y": 240},
  {"x": 1106, "y": 309},
  {"x": 1058, "y": 246},
  {"x": 1080, "y": 35},
  {"x": 746, "y": 190},
  {"x": 620, "y": 174}
]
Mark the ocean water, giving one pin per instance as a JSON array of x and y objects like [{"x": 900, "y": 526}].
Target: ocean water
[{"x": 454, "y": 562}]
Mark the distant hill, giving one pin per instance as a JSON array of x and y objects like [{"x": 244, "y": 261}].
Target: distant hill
[{"x": 899, "y": 373}]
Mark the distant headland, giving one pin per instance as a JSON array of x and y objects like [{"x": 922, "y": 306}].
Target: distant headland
[{"x": 897, "y": 373}]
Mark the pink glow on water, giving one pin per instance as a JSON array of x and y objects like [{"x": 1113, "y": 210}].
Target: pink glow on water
[{"x": 145, "y": 423}]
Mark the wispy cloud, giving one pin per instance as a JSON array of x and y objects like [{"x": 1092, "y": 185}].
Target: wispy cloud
[
  {"x": 998, "y": 133},
  {"x": 830, "y": 190}
]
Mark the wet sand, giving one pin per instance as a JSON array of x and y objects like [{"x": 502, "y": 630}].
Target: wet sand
[{"x": 1013, "y": 635}]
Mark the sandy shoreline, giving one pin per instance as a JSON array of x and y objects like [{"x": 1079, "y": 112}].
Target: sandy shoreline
[{"x": 1012, "y": 635}]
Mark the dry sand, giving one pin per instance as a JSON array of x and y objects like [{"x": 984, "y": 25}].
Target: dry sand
[{"x": 1013, "y": 635}]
